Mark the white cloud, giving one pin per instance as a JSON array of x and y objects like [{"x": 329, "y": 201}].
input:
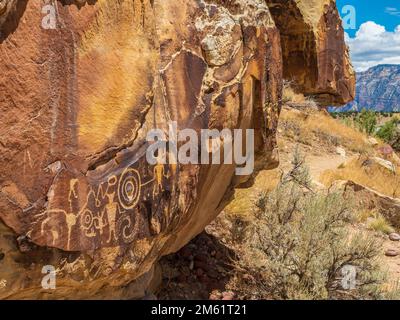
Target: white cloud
[
  {"x": 373, "y": 45},
  {"x": 392, "y": 11}
]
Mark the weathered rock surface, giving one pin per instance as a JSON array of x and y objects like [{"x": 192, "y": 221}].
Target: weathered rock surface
[
  {"x": 77, "y": 101},
  {"x": 313, "y": 48},
  {"x": 371, "y": 199}
]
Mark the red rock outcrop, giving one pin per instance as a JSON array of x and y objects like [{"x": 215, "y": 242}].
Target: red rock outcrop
[
  {"x": 78, "y": 95},
  {"x": 316, "y": 57}
]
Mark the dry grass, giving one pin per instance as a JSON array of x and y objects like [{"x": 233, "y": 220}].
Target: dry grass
[
  {"x": 289, "y": 95},
  {"x": 321, "y": 127},
  {"x": 370, "y": 175},
  {"x": 365, "y": 214},
  {"x": 380, "y": 224},
  {"x": 244, "y": 199},
  {"x": 375, "y": 221}
]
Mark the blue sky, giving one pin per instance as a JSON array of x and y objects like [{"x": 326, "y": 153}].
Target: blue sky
[{"x": 376, "y": 39}]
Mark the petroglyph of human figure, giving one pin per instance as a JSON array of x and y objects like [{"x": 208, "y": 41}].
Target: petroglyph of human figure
[
  {"x": 70, "y": 217},
  {"x": 159, "y": 174},
  {"x": 111, "y": 211},
  {"x": 54, "y": 233}
]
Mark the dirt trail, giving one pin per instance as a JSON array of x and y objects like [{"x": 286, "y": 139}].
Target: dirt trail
[
  {"x": 319, "y": 164},
  {"x": 317, "y": 160}
]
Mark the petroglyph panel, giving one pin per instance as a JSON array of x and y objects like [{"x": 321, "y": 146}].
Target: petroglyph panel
[{"x": 117, "y": 210}]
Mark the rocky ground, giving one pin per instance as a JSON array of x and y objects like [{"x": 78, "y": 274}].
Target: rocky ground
[{"x": 201, "y": 270}]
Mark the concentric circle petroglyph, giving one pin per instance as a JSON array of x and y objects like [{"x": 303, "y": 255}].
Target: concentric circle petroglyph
[{"x": 129, "y": 187}]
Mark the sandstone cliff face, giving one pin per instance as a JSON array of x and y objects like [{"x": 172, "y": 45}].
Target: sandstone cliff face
[
  {"x": 77, "y": 101},
  {"x": 315, "y": 56}
]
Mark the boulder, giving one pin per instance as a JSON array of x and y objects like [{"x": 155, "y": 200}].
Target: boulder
[
  {"x": 367, "y": 198},
  {"x": 394, "y": 236},
  {"x": 392, "y": 253},
  {"x": 385, "y": 164},
  {"x": 78, "y": 101}
]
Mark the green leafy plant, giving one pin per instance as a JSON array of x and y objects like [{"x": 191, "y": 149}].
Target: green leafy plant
[
  {"x": 387, "y": 132},
  {"x": 367, "y": 121}
]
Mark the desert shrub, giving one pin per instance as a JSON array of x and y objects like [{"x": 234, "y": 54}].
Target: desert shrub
[
  {"x": 390, "y": 133},
  {"x": 347, "y": 121},
  {"x": 364, "y": 215},
  {"x": 395, "y": 142},
  {"x": 388, "y": 130},
  {"x": 299, "y": 242},
  {"x": 367, "y": 121}
]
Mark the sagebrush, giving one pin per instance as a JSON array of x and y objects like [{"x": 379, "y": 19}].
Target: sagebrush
[{"x": 299, "y": 242}]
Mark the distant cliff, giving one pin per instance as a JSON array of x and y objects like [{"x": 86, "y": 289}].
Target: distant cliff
[{"x": 377, "y": 89}]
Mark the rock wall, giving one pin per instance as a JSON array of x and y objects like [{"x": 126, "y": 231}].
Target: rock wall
[
  {"x": 316, "y": 57},
  {"x": 78, "y": 99}
]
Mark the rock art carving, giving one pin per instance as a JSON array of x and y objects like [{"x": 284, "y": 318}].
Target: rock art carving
[{"x": 108, "y": 216}]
